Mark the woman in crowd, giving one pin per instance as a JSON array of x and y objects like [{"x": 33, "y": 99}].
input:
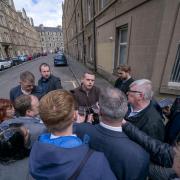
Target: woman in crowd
[
  {"x": 6, "y": 109},
  {"x": 14, "y": 148}
]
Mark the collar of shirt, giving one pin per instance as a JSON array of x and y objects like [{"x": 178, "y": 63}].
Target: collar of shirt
[
  {"x": 54, "y": 136},
  {"x": 24, "y": 92},
  {"x": 133, "y": 113},
  {"x": 112, "y": 128}
]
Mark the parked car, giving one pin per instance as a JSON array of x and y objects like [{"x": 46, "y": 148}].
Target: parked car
[
  {"x": 44, "y": 54},
  {"x": 5, "y": 63},
  {"x": 23, "y": 58},
  {"x": 16, "y": 61},
  {"x": 60, "y": 59},
  {"x": 29, "y": 57}
]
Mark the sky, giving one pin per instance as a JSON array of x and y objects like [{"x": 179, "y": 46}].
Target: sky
[{"x": 46, "y": 12}]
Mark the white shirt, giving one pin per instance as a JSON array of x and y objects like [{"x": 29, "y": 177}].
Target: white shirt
[
  {"x": 133, "y": 113},
  {"x": 24, "y": 92},
  {"x": 54, "y": 136},
  {"x": 112, "y": 128}
]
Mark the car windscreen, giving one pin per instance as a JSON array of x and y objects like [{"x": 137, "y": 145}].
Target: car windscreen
[{"x": 59, "y": 57}]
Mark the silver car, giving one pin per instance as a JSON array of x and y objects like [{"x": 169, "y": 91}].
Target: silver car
[{"x": 5, "y": 64}]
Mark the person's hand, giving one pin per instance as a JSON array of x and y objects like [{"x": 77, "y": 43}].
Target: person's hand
[
  {"x": 79, "y": 118},
  {"x": 166, "y": 110},
  {"x": 124, "y": 121},
  {"x": 90, "y": 118}
]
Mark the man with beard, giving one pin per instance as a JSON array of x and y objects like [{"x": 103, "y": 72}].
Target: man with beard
[
  {"x": 48, "y": 82},
  {"x": 125, "y": 79}
]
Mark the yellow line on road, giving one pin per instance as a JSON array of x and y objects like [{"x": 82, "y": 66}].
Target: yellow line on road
[{"x": 73, "y": 82}]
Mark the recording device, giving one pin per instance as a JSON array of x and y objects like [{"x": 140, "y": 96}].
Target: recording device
[{"x": 87, "y": 111}]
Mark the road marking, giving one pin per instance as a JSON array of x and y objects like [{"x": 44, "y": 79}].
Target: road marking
[{"x": 73, "y": 82}]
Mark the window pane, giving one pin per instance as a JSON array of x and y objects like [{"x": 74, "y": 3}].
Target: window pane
[
  {"x": 123, "y": 31},
  {"x": 122, "y": 54},
  {"x": 123, "y": 35},
  {"x": 104, "y": 3},
  {"x": 175, "y": 75}
]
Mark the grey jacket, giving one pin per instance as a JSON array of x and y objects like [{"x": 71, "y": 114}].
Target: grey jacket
[
  {"x": 35, "y": 127},
  {"x": 15, "y": 170}
]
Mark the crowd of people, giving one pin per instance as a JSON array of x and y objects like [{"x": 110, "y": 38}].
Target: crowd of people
[{"x": 90, "y": 133}]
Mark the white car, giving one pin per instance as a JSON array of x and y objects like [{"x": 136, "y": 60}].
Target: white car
[{"x": 5, "y": 64}]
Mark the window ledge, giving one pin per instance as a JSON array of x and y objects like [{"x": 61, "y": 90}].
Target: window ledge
[{"x": 174, "y": 85}]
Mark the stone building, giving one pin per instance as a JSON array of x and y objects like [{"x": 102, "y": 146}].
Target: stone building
[
  {"x": 142, "y": 33},
  {"x": 17, "y": 33},
  {"x": 51, "y": 38}
]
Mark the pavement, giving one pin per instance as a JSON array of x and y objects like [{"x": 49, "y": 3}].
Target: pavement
[{"x": 78, "y": 69}]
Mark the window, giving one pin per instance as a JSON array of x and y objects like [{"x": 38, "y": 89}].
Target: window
[
  {"x": 175, "y": 75},
  {"x": 7, "y": 38},
  {"x": 90, "y": 48},
  {"x": 1, "y": 20},
  {"x": 103, "y": 3},
  {"x": 79, "y": 23},
  {"x": 16, "y": 28},
  {"x": 7, "y": 10},
  {"x": 122, "y": 44},
  {"x": 89, "y": 10}
]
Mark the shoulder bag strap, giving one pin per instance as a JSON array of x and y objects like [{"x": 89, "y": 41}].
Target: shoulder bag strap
[{"x": 81, "y": 165}]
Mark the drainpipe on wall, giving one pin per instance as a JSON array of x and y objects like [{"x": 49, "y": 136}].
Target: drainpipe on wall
[
  {"x": 94, "y": 37},
  {"x": 82, "y": 25},
  {"x": 75, "y": 5}
]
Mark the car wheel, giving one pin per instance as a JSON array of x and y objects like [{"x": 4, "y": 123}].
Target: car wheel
[{"x": 2, "y": 67}]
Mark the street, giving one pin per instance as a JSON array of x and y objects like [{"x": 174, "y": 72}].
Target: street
[{"x": 10, "y": 77}]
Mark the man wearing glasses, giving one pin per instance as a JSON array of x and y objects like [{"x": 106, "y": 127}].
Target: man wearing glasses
[
  {"x": 141, "y": 111},
  {"x": 27, "y": 86}
]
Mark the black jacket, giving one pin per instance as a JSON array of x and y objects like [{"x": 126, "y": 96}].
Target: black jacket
[
  {"x": 149, "y": 121},
  {"x": 52, "y": 83},
  {"x": 86, "y": 100},
  {"x": 16, "y": 91},
  {"x": 160, "y": 153},
  {"x": 127, "y": 159},
  {"x": 123, "y": 85}
]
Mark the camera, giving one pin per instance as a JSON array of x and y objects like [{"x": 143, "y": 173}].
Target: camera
[
  {"x": 85, "y": 111},
  {"x": 95, "y": 115}
]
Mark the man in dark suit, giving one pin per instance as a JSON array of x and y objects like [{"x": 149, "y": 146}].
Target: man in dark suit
[
  {"x": 127, "y": 159},
  {"x": 142, "y": 112},
  {"x": 48, "y": 82},
  {"x": 27, "y": 86}
]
